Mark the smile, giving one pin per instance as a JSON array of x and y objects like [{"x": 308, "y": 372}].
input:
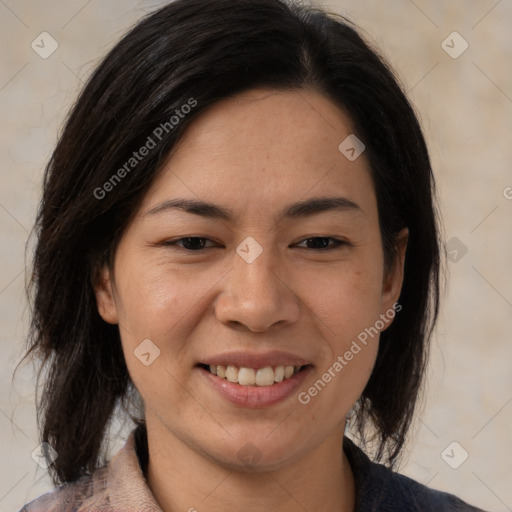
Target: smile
[
  {"x": 254, "y": 387},
  {"x": 244, "y": 376}
]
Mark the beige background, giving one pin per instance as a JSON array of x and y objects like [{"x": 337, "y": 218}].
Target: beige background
[{"x": 466, "y": 110}]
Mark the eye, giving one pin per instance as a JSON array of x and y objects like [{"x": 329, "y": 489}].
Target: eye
[
  {"x": 321, "y": 243},
  {"x": 196, "y": 244},
  {"x": 189, "y": 243}
]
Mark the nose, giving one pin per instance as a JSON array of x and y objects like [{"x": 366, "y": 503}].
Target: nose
[{"x": 256, "y": 296}]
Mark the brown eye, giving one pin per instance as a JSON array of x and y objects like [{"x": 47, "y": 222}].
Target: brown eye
[
  {"x": 189, "y": 243},
  {"x": 322, "y": 243}
]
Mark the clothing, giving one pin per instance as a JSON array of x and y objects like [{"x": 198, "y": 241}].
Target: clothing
[
  {"x": 378, "y": 489},
  {"x": 121, "y": 487}
]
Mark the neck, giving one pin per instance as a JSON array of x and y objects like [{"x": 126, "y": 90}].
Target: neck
[{"x": 181, "y": 478}]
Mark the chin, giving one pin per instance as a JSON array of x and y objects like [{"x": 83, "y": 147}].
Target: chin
[{"x": 255, "y": 454}]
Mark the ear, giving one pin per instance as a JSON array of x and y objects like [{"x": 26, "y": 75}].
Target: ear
[
  {"x": 393, "y": 279},
  {"x": 103, "y": 290}
]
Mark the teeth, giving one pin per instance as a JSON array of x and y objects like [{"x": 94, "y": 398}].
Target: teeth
[
  {"x": 246, "y": 377},
  {"x": 279, "y": 373},
  {"x": 232, "y": 373},
  {"x": 265, "y": 376},
  {"x": 221, "y": 371},
  {"x": 250, "y": 376}
]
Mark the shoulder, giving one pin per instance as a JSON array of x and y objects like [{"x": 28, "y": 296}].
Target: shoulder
[
  {"x": 402, "y": 493},
  {"x": 378, "y": 488},
  {"x": 119, "y": 485},
  {"x": 85, "y": 494}
]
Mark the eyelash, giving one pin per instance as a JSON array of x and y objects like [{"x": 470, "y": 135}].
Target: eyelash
[{"x": 337, "y": 243}]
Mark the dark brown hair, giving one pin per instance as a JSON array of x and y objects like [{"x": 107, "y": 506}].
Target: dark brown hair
[{"x": 210, "y": 50}]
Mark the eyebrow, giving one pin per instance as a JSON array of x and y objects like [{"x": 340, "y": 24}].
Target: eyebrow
[{"x": 300, "y": 209}]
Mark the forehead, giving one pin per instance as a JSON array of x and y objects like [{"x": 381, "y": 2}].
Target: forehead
[
  {"x": 268, "y": 123},
  {"x": 261, "y": 147}
]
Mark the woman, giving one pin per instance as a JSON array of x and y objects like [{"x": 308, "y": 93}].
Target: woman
[{"x": 237, "y": 226}]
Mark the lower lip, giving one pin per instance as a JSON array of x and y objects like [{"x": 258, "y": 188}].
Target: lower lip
[{"x": 256, "y": 396}]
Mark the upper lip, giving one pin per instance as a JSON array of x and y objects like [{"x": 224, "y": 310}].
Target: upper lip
[{"x": 255, "y": 360}]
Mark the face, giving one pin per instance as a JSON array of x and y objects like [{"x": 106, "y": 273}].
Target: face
[{"x": 266, "y": 278}]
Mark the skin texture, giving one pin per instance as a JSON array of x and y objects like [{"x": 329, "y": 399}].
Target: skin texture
[{"x": 254, "y": 153}]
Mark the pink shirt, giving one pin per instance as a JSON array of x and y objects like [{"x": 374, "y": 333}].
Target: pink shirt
[{"x": 118, "y": 487}]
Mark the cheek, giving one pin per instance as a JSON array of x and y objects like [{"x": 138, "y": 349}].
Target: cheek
[
  {"x": 156, "y": 298},
  {"x": 347, "y": 306},
  {"x": 346, "y": 300},
  {"x": 154, "y": 308},
  {"x": 348, "y": 310},
  {"x": 149, "y": 302},
  {"x": 163, "y": 304},
  {"x": 149, "y": 308}
]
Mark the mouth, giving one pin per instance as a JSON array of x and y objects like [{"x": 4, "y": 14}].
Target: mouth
[{"x": 259, "y": 377}]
